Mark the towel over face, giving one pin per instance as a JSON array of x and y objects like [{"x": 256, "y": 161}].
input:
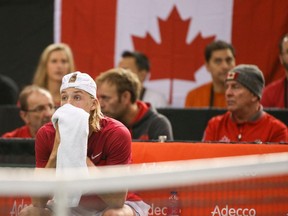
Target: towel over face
[{"x": 73, "y": 125}]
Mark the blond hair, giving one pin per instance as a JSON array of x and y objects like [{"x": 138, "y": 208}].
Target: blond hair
[
  {"x": 95, "y": 117},
  {"x": 40, "y": 77}
]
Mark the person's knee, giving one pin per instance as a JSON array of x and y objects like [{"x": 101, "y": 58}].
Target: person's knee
[
  {"x": 26, "y": 211},
  {"x": 125, "y": 211},
  {"x": 34, "y": 211},
  {"x": 112, "y": 212}
]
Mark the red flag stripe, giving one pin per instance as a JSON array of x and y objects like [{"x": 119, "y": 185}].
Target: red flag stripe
[{"x": 89, "y": 28}]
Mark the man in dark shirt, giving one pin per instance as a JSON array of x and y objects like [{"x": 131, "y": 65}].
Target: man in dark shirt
[{"x": 118, "y": 94}]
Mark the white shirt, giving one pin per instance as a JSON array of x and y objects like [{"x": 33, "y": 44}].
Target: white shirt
[{"x": 156, "y": 99}]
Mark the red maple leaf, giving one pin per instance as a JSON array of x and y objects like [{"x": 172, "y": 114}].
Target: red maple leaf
[{"x": 173, "y": 58}]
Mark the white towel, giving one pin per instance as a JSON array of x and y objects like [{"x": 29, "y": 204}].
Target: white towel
[{"x": 72, "y": 151}]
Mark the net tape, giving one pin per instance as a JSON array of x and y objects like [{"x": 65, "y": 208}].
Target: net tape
[{"x": 27, "y": 181}]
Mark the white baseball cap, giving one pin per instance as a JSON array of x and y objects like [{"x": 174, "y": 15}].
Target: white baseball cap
[{"x": 79, "y": 80}]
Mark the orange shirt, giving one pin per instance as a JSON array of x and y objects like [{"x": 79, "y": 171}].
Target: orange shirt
[{"x": 201, "y": 97}]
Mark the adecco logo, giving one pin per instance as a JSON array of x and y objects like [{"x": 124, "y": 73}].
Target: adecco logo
[
  {"x": 233, "y": 212},
  {"x": 157, "y": 211},
  {"x": 17, "y": 207}
]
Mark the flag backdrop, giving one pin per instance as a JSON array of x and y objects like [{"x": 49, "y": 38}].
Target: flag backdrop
[{"x": 173, "y": 34}]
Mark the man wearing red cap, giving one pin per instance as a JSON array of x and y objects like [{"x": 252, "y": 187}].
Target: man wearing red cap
[{"x": 245, "y": 120}]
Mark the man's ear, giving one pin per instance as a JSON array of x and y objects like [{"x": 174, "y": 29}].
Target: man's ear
[
  {"x": 255, "y": 97},
  {"x": 207, "y": 66},
  {"x": 24, "y": 117},
  {"x": 142, "y": 74},
  {"x": 126, "y": 97}
]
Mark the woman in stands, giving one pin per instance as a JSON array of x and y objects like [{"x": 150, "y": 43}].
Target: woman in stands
[{"x": 55, "y": 62}]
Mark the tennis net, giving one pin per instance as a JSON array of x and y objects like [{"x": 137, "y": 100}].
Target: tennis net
[{"x": 241, "y": 185}]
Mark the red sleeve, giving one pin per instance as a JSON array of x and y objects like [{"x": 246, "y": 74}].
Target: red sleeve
[
  {"x": 266, "y": 97},
  {"x": 10, "y": 134},
  {"x": 44, "y": 141},
  {"x": 274, "y": 94},
  {"x": 22, "y": 132},
  {"x": 279, "y": 133},
  {"x": 119, "y": 151},
  {"x": 209, "y": 133}
]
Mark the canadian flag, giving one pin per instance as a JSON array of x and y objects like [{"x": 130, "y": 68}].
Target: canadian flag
[{"x": 173, "y": 34}]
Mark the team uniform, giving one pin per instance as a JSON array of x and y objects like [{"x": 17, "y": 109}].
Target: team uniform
[
  {"x": 22, "y": 132},
  {"x": 149, "y": 125},
  {"x": 204, "y": 96},
  {"x": 110, "y": 146},
  {"x": 274, "y": 94},
  {"x": 266, "y": 128}
]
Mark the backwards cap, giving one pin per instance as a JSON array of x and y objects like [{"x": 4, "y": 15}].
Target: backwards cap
[
  {"x": 80, "y": 81},
  {"x": 249, "y": 76}
]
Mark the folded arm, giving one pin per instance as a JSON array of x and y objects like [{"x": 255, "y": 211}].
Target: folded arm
[{"x": 112, "y": 200}]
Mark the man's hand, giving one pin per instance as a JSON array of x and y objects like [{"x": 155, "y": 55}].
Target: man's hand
[
  {"x": 89, "y": 162},
  {"x": 39, "y": 202}
]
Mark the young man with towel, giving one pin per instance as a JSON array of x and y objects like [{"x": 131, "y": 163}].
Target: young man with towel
[{"x": 109, "y": 143}]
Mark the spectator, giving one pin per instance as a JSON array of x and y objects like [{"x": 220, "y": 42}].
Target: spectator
[
  {"x": 245, "y": 120},
  {"x": 56, "y": 61},
  {"x": 8, "y": 90},
  {"x": 118, "y": 93},
  {"x": 108, "y": 142},
  {"x": 219, "y": 59},
  {"x": 276, "y": 93},
  {"x": 139, "y": 64},
  {"x": 36, "y": 109}
]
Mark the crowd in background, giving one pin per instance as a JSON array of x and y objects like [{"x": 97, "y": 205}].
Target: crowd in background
[
  {"x": 117, "y": 108},
  {"x": 122, "y": 94}
]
